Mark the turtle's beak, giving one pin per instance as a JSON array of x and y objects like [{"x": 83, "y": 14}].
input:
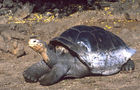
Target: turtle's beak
[{"x": 29, "y": 43}]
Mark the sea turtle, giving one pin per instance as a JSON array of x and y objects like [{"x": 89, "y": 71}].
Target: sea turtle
[{"x": 78, "y": 52}]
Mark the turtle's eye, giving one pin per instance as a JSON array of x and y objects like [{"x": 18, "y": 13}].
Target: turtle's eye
[{"x": 34, "y": 41}]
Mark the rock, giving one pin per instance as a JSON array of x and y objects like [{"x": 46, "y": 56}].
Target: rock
[
  {"x": 12, "y": 42},
  {"x": 90, "y": 2},
  {"x": 14, "y": 47},
  {"x": 18, "y": 49},
  {"x": 136, "y": 5},
  {"x": 8, "y": 3},
  {"x": 127, "y": 16},
  {"x": 3, "y": 20},
  {"x": 0, "y": 5},
  {"x": 129, "y": 9},
  {"x": 8, "y": 34},
  {"x": 134, "y": 15},
  {"x": 25, "y": 11},
  {"x": 3, "y": 45},
  {"x": 4, "y": 11}
]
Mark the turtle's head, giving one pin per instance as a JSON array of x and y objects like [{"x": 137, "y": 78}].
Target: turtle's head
[
  {"x": 40, "y": 47},
  {"x": 37, "y": 45}
]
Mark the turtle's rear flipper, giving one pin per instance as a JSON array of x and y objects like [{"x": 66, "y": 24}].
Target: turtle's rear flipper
[
  {"x": 129, "y": 66},
  {"x": 33, "y": 73}
]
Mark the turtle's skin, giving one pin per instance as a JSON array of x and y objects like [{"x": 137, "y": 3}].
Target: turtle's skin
[{"x": 78, "y": 52}]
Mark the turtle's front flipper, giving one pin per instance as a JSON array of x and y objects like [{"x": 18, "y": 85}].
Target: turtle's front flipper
[
  {"x": 33, "y": 73},
  {"x": 129, "y": 66},
  {"x": 57, "y": 72}
]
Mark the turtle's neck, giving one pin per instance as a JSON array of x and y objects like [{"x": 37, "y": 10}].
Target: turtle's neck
[
  {"x": 44, "y": 55},
  {"x": 49, "y": 56}
]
